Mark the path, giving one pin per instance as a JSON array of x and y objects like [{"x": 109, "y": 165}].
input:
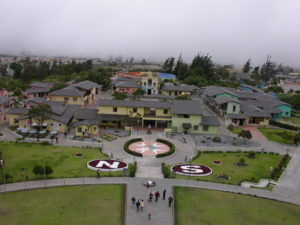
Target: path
[
  {"x": 161, "y": 213},
  {"x": 256, "y": 135}
]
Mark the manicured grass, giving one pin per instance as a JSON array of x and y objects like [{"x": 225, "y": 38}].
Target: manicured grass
[
  {"x": 254, "y": 170},
  {"x": 198, "y": 206},
  {"x": 293, "y": 120},
  {"x": 76, "y": 205},
  {"x": 278, "y": 135},
  {"x": 18, "y": 156},
  {"x": 236, "y": 130}
]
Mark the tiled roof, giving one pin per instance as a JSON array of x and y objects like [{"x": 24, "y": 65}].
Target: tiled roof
[
  {"x": 210, "y": 121},
  {"x": 187, "y": 107},
  {"x": 135, "y": 103},
  {"x": 87, "y": 85},
  {"x": 18, "y": 111},
  {"x": 86, "y": 114},
  {"x": 180, "y": 87},
  {"x": 68, "y": 91}
]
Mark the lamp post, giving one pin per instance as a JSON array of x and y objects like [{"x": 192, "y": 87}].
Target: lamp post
[
  {"x": 2, "y": 167},
  {"x": 196, "y": 145}
]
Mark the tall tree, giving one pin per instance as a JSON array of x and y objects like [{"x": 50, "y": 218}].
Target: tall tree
[
  {"x": 40, "y": 113},
  {"x": 247, "y": 66},
  {"x": 17, "y": 68},
  {"x": 203, "y": 65},
  {"x": 168, "y": 65},
  {"x": 268, "y": 69}
]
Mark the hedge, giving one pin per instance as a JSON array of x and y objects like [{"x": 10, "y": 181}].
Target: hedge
[
  {"x": 129, "y": 142},
  {"x": 132, "y": 169},
  {"x": 284, "y": 125},
  {"x": 165, "y": 170},
  {"x": 171, "y": 146}
]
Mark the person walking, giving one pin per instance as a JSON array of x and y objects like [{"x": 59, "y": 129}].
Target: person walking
[
  {"x": 164, "y": 194},
  {"x": 150, "y": 196},
  {"x": 157, "y": 195},
  {"x": 138, "y": 203},
  {"x": 142, "y": 204},
  {"x": 133, "y": 200},
  {"x": 98, "y": 174},
  {"x": 56, "y": 138},
  {"x": 170, "y": 201}
]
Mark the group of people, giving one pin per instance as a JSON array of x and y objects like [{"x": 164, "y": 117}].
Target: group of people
[{"x": 140, "y": 202}]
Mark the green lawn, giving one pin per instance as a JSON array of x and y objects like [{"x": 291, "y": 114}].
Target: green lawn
[
  {"x": 199, "y": 206},
  {"x": 76, "y": 205},
  {"x": 278, "y": 135},
  {"x": 18, "y": 156},
  {"x": 236, "y": 130},
  {"x": 254, "y": 170},
  {"x": 294, "y": 120}
]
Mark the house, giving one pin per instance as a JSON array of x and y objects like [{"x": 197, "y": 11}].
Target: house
[
  {"x": 126, "y": 84},
  {"x": 188, "y": 117},
  {"x": 167, "y": 76},
  {"x": 4, "y": 106},
  {"x": 245, "y": 107},
  {"x": 3, "y": 92},
  {"x": 39, "y": 89},
  {"x": 31, "y": 102},
  {"x": 77, "y": 94},
  {"x": 126, "y": 112},
  {"x": 170, "y": 89},
  {"x": 59, "y": 120},
  {"x": 86, "y": 122}
]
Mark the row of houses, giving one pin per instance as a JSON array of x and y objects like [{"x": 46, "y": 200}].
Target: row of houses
[
  {"x": 245, "y": 106},
  {"x": 185, "y": 116}
]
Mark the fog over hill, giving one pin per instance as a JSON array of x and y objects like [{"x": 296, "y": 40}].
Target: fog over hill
[{"x": 229, "y": 30}]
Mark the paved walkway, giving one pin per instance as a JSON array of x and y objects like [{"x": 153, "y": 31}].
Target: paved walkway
[
  {"x": 160, "y": 212},
  {"x": 256, "y": 135}
]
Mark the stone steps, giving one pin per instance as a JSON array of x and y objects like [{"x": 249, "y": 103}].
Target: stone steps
[{"x": 149, "y": 172}]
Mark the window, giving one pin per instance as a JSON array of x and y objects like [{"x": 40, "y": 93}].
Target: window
[
  {"x": 196, "y": 127},
  {"x": 154, "y": 84},
  {"x": 95, "y": 128},
  {"x": 75, "y": 99},
  {"x": 145, "y": 84},
  {"x": 66, "y": 99},
  {"x": 79, "y": 129},
  {"x": 59, "y": 124},
  {"x": 134, "y": 110},
  {"x": 165, "y": 111},
  {"x": 205, "y": 128},
  {"x": 115, "y": 109},
  {"x": 287, "y": 113},
  {"x": 52, "y": 124},
  {"x": 233, "y": 108},
  {"x": 186, "y": 116}
]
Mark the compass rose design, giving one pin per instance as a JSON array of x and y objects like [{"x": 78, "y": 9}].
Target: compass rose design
[{"x": 149, "y": 147}]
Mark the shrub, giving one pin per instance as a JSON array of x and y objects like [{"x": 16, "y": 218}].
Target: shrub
[
  {"x": 217, "y": 139},
  {"x": 284, "y": 125},
  {"x": 242, "y": 162},
  {"x": 45, "y": 143},
  {"x": 171, "y": 146},
  {"x": 38, "y": 170},
  {"x": 251, "y": 155},
  {"x": 129, "y": 142},
  {"x": 165, "y": 170},
  {"x": 48, "y": 170},
  {"x": 132, "y": 169}
]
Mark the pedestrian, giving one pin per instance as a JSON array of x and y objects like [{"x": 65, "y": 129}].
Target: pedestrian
[
  {"x": 51, "y": 137},
  {"x": 149, "y": 216},
  {"x": 133, "y": 200},
  {"x": 164, "y": 194},
  {"x": 111, "y": 155},
  {"x": 98, "y": 174},
  {"x": 65, "y": 134},
  {"x": 56, "y": 138},
  {"x": 170, "y": 201},
  {"x": 150, "y": 196},
  {"x": 138, "y": 203},
  {"x": 157, "y": 195},
  {"x": 142, "y": 204}
]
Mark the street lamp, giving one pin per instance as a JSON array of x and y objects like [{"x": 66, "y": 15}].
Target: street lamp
[
  {"x": 196, "y": 145},
  {"x": 2, "y": 167}
]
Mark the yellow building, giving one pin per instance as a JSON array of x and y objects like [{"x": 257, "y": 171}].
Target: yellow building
[
  {"x": 15, "y": 113},
  {"x": 77, "y": 94}
]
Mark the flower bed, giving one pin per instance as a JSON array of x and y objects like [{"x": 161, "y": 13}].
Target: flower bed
[
  {"x": 129, "y": 142},
  {"x": 171, "y": 146}
]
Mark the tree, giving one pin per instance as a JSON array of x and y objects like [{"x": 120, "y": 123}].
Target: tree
[
  {"x": 267, "y": 70},
  {"x": 203, "y": 65},
  {"x": 198, "y": 81},
  {"x": 48, "y": 170},
  {"x": 138, "y": 92},
  {"x": 38, "y": 170},
  {"x": 58, "y": 86},
  {"x": 242, "y": 161},
  {"x": 275, "y": 89},
  {"x": 245, "y": 134},
  {"x": 3, "y": 70},
  {"x": 183, "y": 97},
  {"x": 40, "y": 113},
  {"x": 17, "y": 68},
  {"x": 247, "y": 66},
  {"x": 168, "y": 65},
  {"x": 297, "y": 138},
  {"x": 119, "y": 95}
]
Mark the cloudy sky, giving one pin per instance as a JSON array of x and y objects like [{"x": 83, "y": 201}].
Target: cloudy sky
[{"x": 230, "y": 30}]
